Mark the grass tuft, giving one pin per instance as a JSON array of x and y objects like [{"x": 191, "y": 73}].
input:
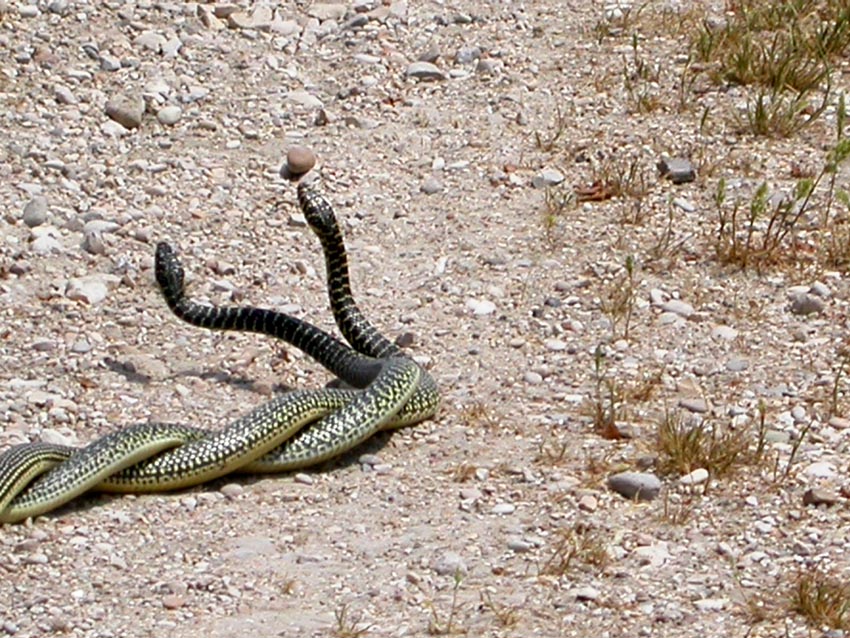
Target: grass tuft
[
  {"x": 684, "y": 447},
  {"x": 824, "y": 600},
  {"x": 348, "y": 626},
  {"x": 579, "y": 545},
  {"x": 785, "y": 50}
]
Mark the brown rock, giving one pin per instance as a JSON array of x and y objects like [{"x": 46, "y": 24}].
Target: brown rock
[
  {"x": 818, "y": 496},
  {"x": 173, "y": 602},
  {"x": 299, "y": 160}
]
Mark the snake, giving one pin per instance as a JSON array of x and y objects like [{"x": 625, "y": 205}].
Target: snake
[{"x": 273, "y": 437}]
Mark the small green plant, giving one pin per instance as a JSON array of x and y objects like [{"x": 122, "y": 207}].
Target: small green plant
[
  {"x": 823, "y": 599},
  {"x": 548, "y": 142},
  {"x": 478, "y": 416},
  {"x": 552, "y": 450},
  {"x": 676, "y": 511},
  {"x": 617, "y": 178},
  {"x": 348, "y": 626},
  {"x": 780, "y": 114},
  {"x": 764, "y": 233},
  {"x": 619, "y": 304},
  {"x": 840, "y": 375},
  {"x": 438, "y": 626},
  {"x": 579, "y": 545},
  {"x": 641, "y": 80},
  {"x": 605, "y": 406},
  {"x": 665, "y": 246},
  {"x": 507, "y": 615},
  {"x": 556, "y": 201}
]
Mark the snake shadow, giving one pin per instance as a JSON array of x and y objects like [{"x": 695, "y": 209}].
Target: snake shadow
[{"x": 235, "y": 381}]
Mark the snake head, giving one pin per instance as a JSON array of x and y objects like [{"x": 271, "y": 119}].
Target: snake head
[{"x": 317, "y": 211}]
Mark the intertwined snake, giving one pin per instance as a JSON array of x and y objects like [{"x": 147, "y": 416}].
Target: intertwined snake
[{"x": 298, "y": 429}]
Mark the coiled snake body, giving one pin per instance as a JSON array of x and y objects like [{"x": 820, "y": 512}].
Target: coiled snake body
[{"x": 295, "y": 430}]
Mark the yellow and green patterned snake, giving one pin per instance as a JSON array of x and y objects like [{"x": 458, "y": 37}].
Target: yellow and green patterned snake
[{"x": 295, "y": 430}]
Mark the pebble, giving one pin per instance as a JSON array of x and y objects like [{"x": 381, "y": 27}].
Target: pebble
[
  {"x": 323, "y": 11},
  {"x": 171, "y": 601},
  {"x": 405, "y": 339},
  {"x": 431, "y": 185},
  {"x": 425, "y": 71},
  {"x": 555, "y": 345},
  {"x": 109, "y": 63},
  {"x": 449, "y": 564},
  {"x": 295, "y": 220},
  {"x": 839, "y": 423},
  {"x": 737, "y": 365},
  {"x": 305, "y": 99},
  {"x": 93, "y": 243},
  {"x": 699, "y": 475},
  {"x": 588, "y": 503},
  {"x": 655, "y": 555},
  {"x": 724, "y": 333},
  {"x": 481, "y": 307},
  {"x": 100, "y": 226},
  {"x": 821, "y": 290},
  {"x": 711, "y": 604},
  {"x": 503, "y": 508},
  {"x": 806, "y": 304},
  {"x": 679, "y": 307},
  {"x": 299, "y": 160},
  {"x": 169, "y": 115},
  {"x": 146, "y": 365},
  {"x": 92, "y": 289},
  {"x": 45, "y": 240},
  {"x": 547, "y": 177},
  {"x": 127, "y": 110},
  {"x": 644, "y": 486},
  {"x": 820, "y": 470},
  {"x": 467, "y": 55},
  {"x": 370, "y": 459},
  {"x": 684, "y": 204},
  {"x": 64, "y": 95},
  {"x": 519, "y": 545},
  {"x": 35, "y": 212},
  {"x": 678, "y": 170},
  {"x": 697, "y": 406},
  {"x": 260, "y": 19},
  {"x": 818, "y": 496},
  {"x": 232, "y": 490},
  {"x": 587, "y": 594},
  {"x": 532, "y": 378},
  {"x": 304, "y": 479},
  {"x": 150, "y": 40}
]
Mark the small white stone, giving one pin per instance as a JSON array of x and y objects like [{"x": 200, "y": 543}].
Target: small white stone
[
  {"x": 169, "y": 115},
  {"x": 503, "y": 508},
  {"x": 700, "y": 475},
  {"x": 481, "y": 307}
]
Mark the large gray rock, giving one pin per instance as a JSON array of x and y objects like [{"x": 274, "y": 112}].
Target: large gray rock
[
  {"x": 127, "y": 110},
  {"x": 642, "y": 486}
]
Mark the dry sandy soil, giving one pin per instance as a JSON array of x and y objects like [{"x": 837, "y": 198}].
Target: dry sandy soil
[{"x": 494, "y": 519}]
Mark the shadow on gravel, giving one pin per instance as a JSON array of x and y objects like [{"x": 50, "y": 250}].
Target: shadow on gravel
[{"x": 238, "y": 382}]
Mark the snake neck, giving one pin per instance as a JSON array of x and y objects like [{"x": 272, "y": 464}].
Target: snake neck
[{"x": 353, "y": 325}]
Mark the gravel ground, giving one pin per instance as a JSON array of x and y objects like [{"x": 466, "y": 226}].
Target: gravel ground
[{"x": 435, "y": 124}]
